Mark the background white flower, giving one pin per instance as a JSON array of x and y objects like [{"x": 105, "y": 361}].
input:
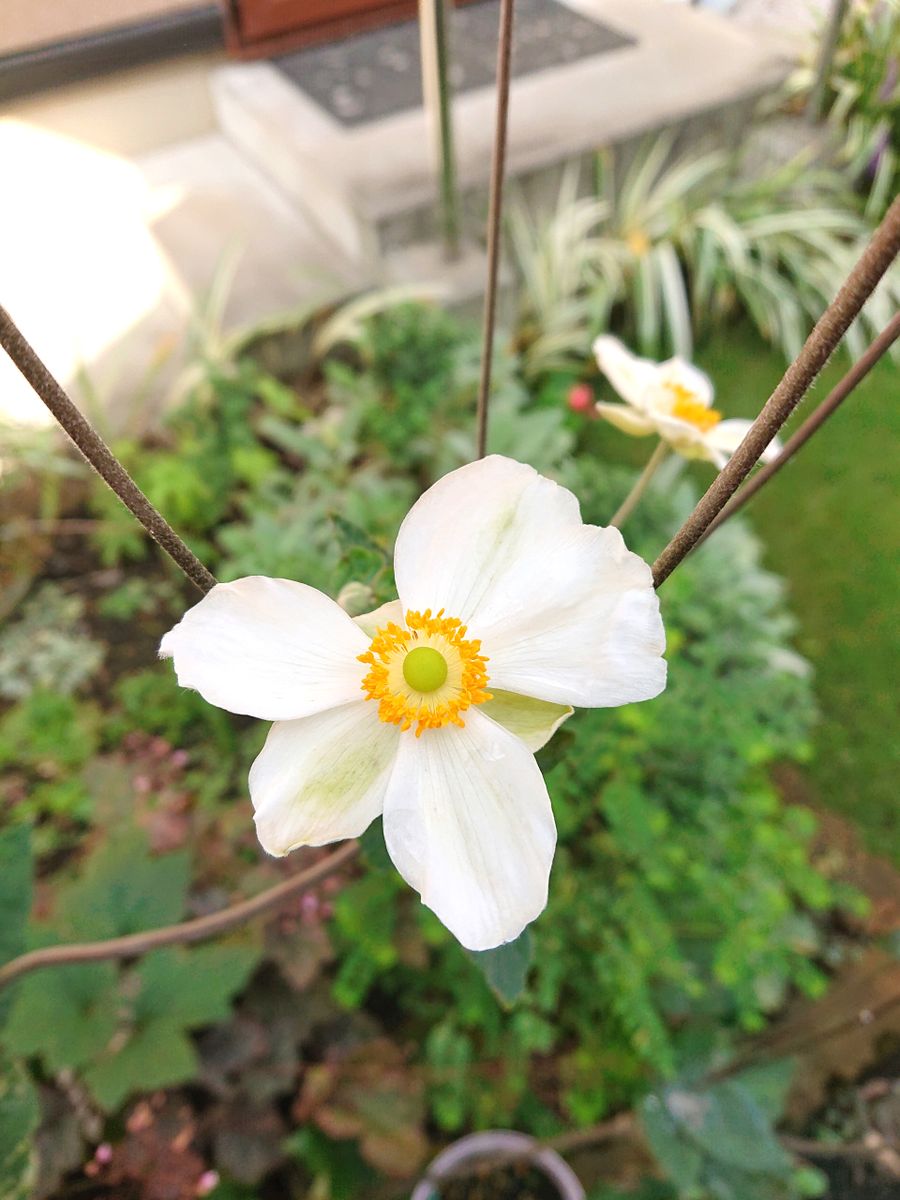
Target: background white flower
[
  {"x": 672, "y": 399},
  {"x": 429, "y": 710}
]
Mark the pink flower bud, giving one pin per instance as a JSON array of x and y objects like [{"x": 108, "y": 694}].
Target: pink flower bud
[
  {"x": 581, "y": 398},
  {"x": 207, "y": 1182}
]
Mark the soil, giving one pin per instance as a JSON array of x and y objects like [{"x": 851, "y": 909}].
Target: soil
[{"x": 518, "y": 1181}]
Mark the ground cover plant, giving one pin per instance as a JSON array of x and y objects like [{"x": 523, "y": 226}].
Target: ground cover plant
[{"x": 352, "y": 1033}]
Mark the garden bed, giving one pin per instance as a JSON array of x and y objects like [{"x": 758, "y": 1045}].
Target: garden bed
[{"x": 352, "y": 1034}]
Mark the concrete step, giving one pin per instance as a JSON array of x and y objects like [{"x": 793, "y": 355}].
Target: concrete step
[{"x": 370, "y": 185}]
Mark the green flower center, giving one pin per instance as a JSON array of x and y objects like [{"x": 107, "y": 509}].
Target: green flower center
[{"x": 424, "y": 669}]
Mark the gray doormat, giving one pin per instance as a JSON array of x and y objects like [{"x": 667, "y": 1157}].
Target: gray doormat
[{"x": 377, "y": 74}]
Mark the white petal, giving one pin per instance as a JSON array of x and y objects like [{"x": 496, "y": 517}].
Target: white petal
[
  {"x": 268, "y": 648},
  {"x": 629, "y": 420},
  {"x": 682, "y": 436},
  {"x": 551, "y": 599},
  {"x": 676, "y": 374},
  {"x": 533, "y": 721},
  {"x": 630, "y": 376},
  {"x": 371, "y": 622},
  {"x": 728, "y": 435},
  {"x": 322, "y": 778},
  {"x": 603, "y": 651},
  {"x": 468, "y": 823}
]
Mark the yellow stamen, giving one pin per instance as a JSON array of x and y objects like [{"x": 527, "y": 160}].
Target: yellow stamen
[
  {"x": 401, "y": 704},
  {"x": 686, "y": 408},
  {"x": 637, "y": 242}
]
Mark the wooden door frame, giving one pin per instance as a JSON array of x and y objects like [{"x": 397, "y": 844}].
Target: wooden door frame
[{"x": 387, "y": 12}]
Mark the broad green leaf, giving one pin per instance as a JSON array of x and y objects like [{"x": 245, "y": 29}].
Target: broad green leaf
[
  {"x": 339, "y": 1162},
  {"x": 506, "y": 967},
  {"x": 679, "y": 1158},
  {"x": 729, "y": 1126},
  {"x": 15, "y": 899},
  {"x": 193, "y": 987},
  {"x": 19, "y": 1115},
  {"x": 373, "y": 848},
  {"x": 157, "y": 1054},
  {"x": 123, "y": 889},
  {"x": 768, "y": 1085},
  {"x": 68, "y": 1015}
]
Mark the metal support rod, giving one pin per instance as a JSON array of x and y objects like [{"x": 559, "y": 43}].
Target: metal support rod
[
  {"x": 98, "y": 454},
  {"x": 817, "y": 349},
  {"x": 813, "y": 422},
  {"x": 495, "y": 210}
]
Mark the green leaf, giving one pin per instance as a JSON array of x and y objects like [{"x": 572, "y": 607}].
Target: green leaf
[
  {"x": 355, "y": 976},
  {"x": 731, "y": 1127},
  {"x": 353, "y": 536},
  {"x": 365, "y": 913},
  {"x": 19, "y": 1115},
  {"x": 193, "y": 987},
  {"x": 809, "y": 1181},
  {"x": 336, "y": 1160},
  {"x": 449, "y": 1053},
  {"x": 124, "y": 890},
  {"x": 506, "y": 967},
  {"x": 67, "y": 1015},
  {"x": 157, "y": 1054},
  {"x": 373, "y": 848},
  {"x": 15, "y": 898},
  {"x": 681, "y": 1161},
  {"x": 769, "y": 1084}
]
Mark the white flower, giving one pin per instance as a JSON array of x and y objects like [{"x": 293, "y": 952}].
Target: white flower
[
  {"x": 672, "y": 399},
  {"x": 429, "y": 710}
]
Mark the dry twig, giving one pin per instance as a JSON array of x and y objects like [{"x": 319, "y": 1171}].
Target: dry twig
[{"x": 197, "y": 930}]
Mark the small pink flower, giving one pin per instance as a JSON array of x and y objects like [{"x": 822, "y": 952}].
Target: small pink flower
[{"x": 103, "y": 1154}]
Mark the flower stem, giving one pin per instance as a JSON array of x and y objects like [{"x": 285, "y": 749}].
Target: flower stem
[{"x": 628, "y": 505}]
